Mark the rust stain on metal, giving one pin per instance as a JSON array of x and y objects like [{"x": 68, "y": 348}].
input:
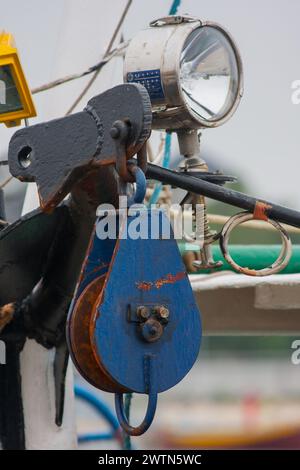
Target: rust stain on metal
[
  {"x": 144, "y": 285},
  {"x": 6, "y": 314},
  {"x": 260, "y": 210},
  {"x": 79, "y": 337},
  {"x": 248, "y": 271},
  {"x": 168, "y": 279},
  {"x": 101, "y": 266},
  {"x": 240, "y": 269}
]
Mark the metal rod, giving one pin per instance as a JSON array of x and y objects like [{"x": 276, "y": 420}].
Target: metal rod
[{"x": 219, "y": 193}]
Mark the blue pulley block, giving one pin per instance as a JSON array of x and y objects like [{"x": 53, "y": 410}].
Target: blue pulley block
[
  {"x": 134, "y": 325},
  {"x": 147, "y": 328}
]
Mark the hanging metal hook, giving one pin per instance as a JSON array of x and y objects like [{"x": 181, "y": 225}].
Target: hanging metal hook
[
  {"x": 140, "y": 184},
  {"x": 152, "y": 402},
  {"x": 123, "y": 420}
]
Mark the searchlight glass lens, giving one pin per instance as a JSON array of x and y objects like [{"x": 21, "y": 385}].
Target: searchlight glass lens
[{"x": 209, "y": 75}]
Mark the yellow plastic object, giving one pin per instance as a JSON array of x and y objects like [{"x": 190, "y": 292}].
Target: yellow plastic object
[{"x": 15, "y": 97}]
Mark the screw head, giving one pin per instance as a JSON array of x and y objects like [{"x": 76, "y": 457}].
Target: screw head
[
  {"x": 152, "y": 330},
  {"x": 143, "y": 312},
  {"x": 114, "y": 132},
  {"x": 162, "y": 312}
]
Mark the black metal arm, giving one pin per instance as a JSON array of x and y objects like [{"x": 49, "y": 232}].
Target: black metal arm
[{"x": 219, "y": 193}]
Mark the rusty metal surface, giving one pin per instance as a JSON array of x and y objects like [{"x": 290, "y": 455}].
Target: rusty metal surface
[
  {"x": 159, "y": 283},
  {"x": 6, "y": 314},
  {"x": 83, "y": 309},
  {"x": 79, "y": 338},
  {"x": 260, "y": 210}
]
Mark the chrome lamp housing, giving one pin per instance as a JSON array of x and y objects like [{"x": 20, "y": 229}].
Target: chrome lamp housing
[{"x": 192, "y": 70}]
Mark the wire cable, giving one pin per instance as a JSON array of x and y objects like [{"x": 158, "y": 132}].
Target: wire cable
[
  {"x": 96, "y": 69},
  {"x": 108, "y": 50},
  {"x": 5, "y": 182},
  {"x": 117, "y": 51}
]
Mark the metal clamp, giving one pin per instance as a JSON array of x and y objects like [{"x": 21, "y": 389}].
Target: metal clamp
[
  {"x": 173, "y": 19},
  {"x": 278, "y": 265}
]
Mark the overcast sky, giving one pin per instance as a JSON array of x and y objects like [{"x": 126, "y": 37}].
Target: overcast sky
[{"x": 261, "y": 143}]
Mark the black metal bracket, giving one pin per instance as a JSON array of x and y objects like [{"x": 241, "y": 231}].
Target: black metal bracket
[
  {"x": 41, "y": 254},
  {"x": 57, "y": 154}
]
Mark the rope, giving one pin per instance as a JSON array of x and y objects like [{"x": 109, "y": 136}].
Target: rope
[
  {"x": 96, "y": 69},
  {"x": 109, "y": 54},
  {"x": 8, "y": 180},
  {"x": 108, "y": 50},
  {"x": 68, "y": 78},
  {"x": 174, "y": 7}
]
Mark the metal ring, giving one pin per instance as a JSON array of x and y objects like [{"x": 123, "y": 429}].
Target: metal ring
[
  {"x": 278, "y": 265},
  {"x": 139, "y": 430}
]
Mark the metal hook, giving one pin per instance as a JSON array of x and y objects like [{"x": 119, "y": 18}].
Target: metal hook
[
  {"x": 142, "y": 428},
  {"x": 278, "y": 265},
  {"x": 149, "y": 377},
  {"x": 137, "y": 195},
  {"x": 141, "y": 184}
]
